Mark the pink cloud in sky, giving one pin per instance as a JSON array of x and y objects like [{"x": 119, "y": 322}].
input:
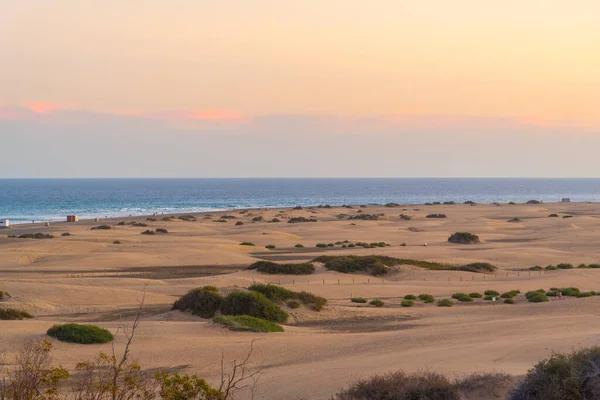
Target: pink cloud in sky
[{"x": 42, "y": 107}]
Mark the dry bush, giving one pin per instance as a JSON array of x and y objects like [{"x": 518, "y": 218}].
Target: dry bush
[
  {"x": 484, "y": 384},
  {"x": 118, "y": 377},
  {"x": 33, "y": 377},
  {"x": 401, "y": 386},
  {"x": 561, "y": 376}
]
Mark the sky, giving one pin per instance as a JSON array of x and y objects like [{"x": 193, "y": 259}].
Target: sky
[{"x": 317, "y": 88}]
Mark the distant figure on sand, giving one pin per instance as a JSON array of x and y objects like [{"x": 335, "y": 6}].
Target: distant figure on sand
[{"x": 560, "y": 295}]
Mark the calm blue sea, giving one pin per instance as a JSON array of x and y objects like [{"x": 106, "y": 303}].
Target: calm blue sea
[{"x": 24, "y": 200}]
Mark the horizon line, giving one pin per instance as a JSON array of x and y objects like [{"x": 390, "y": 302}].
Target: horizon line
[{"x": 307, "y": 177}]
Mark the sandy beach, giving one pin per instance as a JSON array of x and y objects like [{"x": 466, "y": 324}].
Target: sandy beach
[{"x": 85, "y": 277}]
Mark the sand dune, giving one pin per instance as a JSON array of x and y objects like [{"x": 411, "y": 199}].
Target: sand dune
[{"x": 85, "y": 277}]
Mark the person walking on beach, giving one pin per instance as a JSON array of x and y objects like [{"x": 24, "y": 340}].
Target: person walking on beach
[{"x": 559, "y": 295}]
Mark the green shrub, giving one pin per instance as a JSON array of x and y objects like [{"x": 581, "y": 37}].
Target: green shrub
[
  {"x": 38, "y": 235},
  {"x": 347, "y": 264},
  {"x": 203, "y": 302},
  {"x": 351, "y": 245},
  {"x": 445, "y": 303},
  {"x": 238, "y": 223},
  {"x": 246, "y": 244},
  {"x": 407, "y": 303},
  {"x": 488, "y": 298},
  {"x": 247, "y": 323},
  {"x": 594, "y": 266},
  {"x": 562, "y": 376},
  {"x": 269, "y": 267},
  {"x": 564, "y": 266},
  {"x": 491, "y": 293},
  {"x": 377, "y": 303},
  {"x": 274, "y": 292},
  {"x": 426, "y": 298},
  {"x": 299, "y": 246},
  {"x": 436, "y": 216},
  {"x": 279, "y": 294},
  {"x": 536, "y": 268},
  {"x": 321, "y": 245},
  {"x": 410, "y": 297},
  {"x": 403, "y": 244},
  {"x": 582, "y": 266},
  {"x": 586, "y": 294},
  {"x": 463, "y": 238},
  {"x": 295, "y": 220},
  {"x": 161, "y": 230},
  {"x": 116, "y": 242},
  {"x": 475, "y": 295},
  {"x": 379, "y": 265},
  {"x": 65, "y": 234},
  {"x": 13, "y": 314},
  {"x": 462, "y": 297},
  {"x": 293, "y": 304},
  {"x": 271, "y": 247},
  {"x": 82, "y": 334},
  {"x": 509, "y": 301},
  {"x": 253, "y": 304},
  {"x": 510, "y": 295},
  {"x": 358, "y": 300},
  {"x": 536, "y": 297},
  {"x": 4, "y": 295},
  {"x": 101, "y": 227},
  {"x": 148, "y": 232},
  {"x": 570, "y": 291},
  {"x": 551, "y": 268}
]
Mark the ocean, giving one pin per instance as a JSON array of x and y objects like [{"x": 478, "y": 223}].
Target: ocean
[{"x": 26, "y": 200}]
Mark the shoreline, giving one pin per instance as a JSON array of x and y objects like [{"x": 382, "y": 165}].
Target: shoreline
[{"x": 270, "y": 208}]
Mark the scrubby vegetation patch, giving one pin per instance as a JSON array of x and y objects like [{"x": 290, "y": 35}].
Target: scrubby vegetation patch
[
  {"x": 203, "y": 302},
  {"x": 246, "y": 323},
  {"x": 82, "y": 334},
  {"x": 7, "y": 314},
  {"x": 380, "y": 265},
  {"x": 38, "y": 235},
  {"x": 463, "y": 238},
  {"x": 269, "y": 267},
  {"x": 280, "y": 294}
]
